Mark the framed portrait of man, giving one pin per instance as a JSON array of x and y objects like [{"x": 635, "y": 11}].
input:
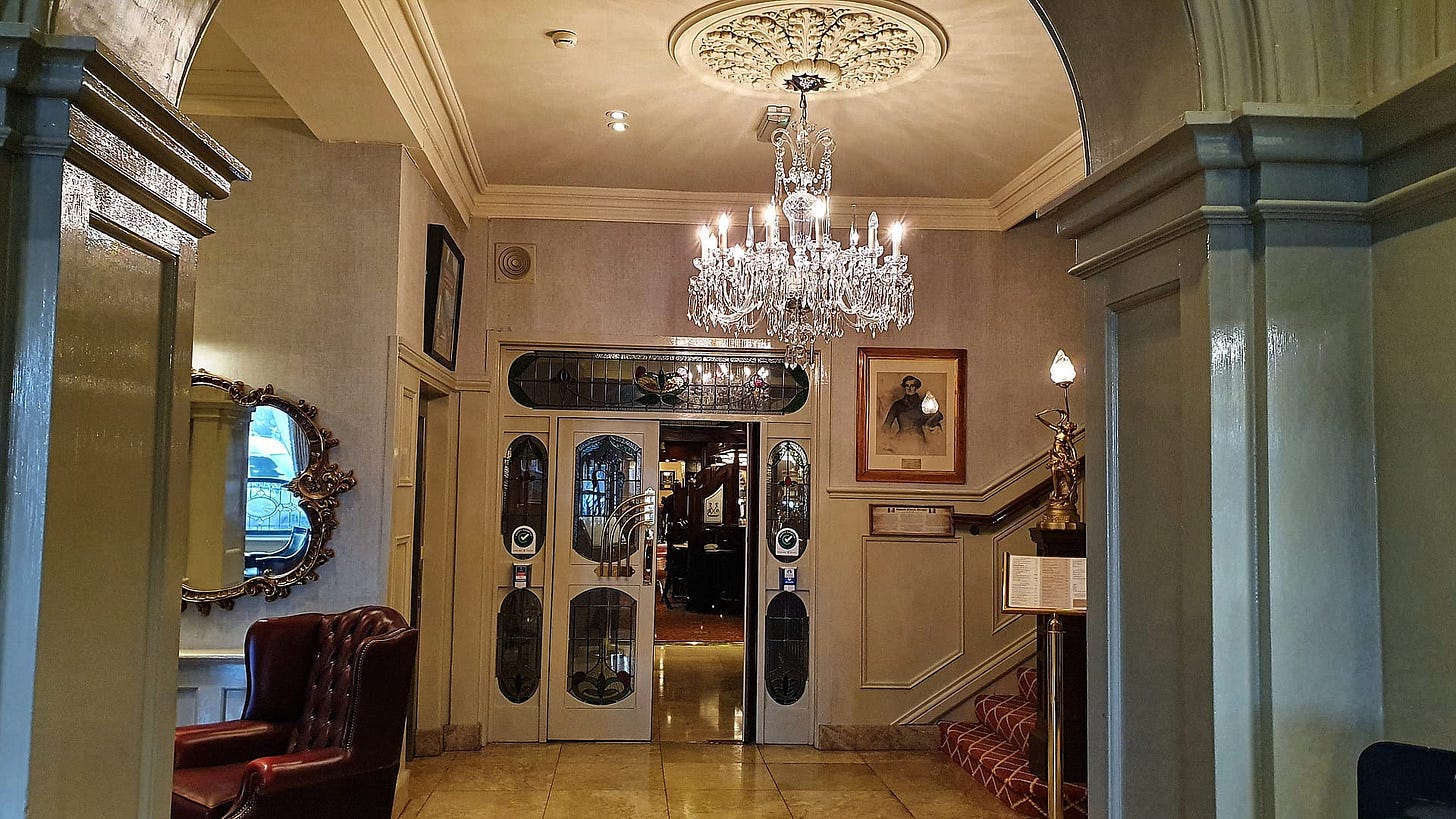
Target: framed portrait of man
[{"x": 911, "y": 415}]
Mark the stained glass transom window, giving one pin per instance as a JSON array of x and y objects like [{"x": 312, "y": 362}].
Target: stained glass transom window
[
  {"x": 518, "y": 645},
  {"x": 608, "y": 472},
  {"x": 741, "y": 384},
  {"x": 788, "y": 500},
  {"x": 602, "y": 637},
  {"x": 786, "y": 648},
  {"x": 523, "y": 501}
]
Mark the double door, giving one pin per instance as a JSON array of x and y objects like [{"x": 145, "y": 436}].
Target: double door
[{"x": 602, "y": 601}]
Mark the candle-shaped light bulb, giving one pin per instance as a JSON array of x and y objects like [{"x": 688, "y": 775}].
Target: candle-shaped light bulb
[
  {"x": 723, "y": 230},
  {"x": 705, "y": 236},
  {"x": 771, "y": 218},
  {"x": 818, "y": 213},
  {"x": 896, "y": 231},
  {"x": 750, "y": 227},
  {"x": 1063, "y": 373},
  {"x": 874, "y": 240},
  {"x": 929, "y": 405}
]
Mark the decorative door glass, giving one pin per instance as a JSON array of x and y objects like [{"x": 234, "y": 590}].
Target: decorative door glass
[
  {"x": 601, "y": 643},
  {"x": 523, "y": 501},
  {"x": 786, "y": 648},
  {"x": 608, "y": 472},
  {"x": 518, "y": 645},
  {"x": 788, "y": 500}
]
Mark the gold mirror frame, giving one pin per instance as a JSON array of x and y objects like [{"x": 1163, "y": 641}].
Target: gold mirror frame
[{"x": 318, "y": 488}]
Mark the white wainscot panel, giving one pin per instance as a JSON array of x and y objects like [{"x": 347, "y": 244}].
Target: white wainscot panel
[
  {"x": 210, "y": 687},
  {"x": 910, "y": 587}
]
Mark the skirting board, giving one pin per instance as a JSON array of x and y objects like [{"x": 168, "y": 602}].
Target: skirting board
[
  {"x": 462, "y": 737},
  {"x": 878, "y": 738},
  {"x": 429, "y": 742}
]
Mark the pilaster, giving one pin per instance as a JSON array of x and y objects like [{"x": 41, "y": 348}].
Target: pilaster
[
  {"x": 106, "y": 188},
  {"x": 1228, "y": 308}
]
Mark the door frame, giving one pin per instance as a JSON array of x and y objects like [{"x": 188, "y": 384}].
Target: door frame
[{"x": 509, "y": 722}]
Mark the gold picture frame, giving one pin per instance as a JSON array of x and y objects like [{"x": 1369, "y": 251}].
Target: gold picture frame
[{"x": 911, "y": 421}]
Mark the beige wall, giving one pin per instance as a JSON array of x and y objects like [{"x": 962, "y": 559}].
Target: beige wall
[
  {"x": 298, "y": 290},
  {"x": 418, "y": 208}
]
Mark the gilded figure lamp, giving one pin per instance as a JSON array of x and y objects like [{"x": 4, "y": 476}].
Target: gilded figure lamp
[{"x": 1062, "y": 459}]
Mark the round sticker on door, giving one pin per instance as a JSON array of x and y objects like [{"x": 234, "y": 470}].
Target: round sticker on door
[
  {"x": 786, "y": 543},
  {"x": 523, "y": 541}
]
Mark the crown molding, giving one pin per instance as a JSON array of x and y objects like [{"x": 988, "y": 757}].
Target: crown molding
[
  {"x": 401, "y": 41},
  {"x": 223, "y": 93},
  {"x": 1047, "y": 178},
  {"x": 699, "y": 207}
]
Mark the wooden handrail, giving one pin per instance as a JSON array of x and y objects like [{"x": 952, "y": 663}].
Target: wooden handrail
[{"x": 1029, "y": 499}]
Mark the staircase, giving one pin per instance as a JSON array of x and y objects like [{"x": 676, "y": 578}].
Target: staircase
[{"x": 994, "y": 750}]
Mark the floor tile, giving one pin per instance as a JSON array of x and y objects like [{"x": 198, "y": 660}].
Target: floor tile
[
  {"x": 925, "y": 775},
  {"x": 583, "y": 752},
  {"x": 806, "y": 753},
  {"x": 505, "y": 773},
  {"x": 606, "y": 804},
  {"x": 811, "y": 776},
  {"x": 684, "y": 776},
  {"x": 632, "y": 775},
  {"x": 841, "y": 805},
  {"x": 484, "y": 805},
  {"x": 694, "y": 804},
  {"x": 708, "y": 752},
  {"x": 937, "y": 804}
]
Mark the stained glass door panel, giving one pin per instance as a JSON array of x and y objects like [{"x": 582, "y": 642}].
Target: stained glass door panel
[{"x": 602, "y": 595}]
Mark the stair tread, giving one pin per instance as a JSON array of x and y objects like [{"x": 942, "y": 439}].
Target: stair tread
[
  {"x": 1003, "y": 770},
  {"x": 1026, "y": 683},
  {"x": 1012, "y": 717}
]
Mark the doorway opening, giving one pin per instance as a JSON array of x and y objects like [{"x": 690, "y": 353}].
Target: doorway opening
[{"x": 703, "y": 641}]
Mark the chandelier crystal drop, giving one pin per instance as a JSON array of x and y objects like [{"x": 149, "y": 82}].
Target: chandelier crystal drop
[{"x": 805, "y": 287}]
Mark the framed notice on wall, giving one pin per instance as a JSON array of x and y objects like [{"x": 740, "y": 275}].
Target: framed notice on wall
[{"x": 912, "y": 521}]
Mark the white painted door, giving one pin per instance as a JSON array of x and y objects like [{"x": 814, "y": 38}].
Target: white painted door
[{"x": 599, "y": 682}]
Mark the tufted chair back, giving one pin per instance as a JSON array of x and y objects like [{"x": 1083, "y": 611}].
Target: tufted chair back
[{"x": 342, "y": 680}]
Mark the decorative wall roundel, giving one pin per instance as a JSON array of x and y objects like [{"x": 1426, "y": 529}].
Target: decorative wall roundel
[{"x": 868, "y": 45}]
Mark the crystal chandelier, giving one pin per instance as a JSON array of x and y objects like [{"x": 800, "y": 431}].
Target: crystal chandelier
[{"x": 806, "y": 287}]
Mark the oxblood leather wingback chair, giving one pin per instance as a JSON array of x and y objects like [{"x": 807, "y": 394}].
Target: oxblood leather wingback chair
[{"x": 321, "y": 729}]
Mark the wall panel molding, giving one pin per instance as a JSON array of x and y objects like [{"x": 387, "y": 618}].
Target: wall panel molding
[
  {"x": 889, "y": 567},
  {"x": 973, "y": 680}
]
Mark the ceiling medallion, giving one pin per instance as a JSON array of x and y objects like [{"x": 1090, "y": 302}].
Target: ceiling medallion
[{"x": 849, "y": 47}]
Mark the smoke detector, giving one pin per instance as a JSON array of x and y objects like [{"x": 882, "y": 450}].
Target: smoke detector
[{"x": 562, "y": 38}]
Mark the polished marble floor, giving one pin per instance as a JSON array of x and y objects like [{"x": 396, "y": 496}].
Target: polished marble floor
[
  {"x": 682, "y": 775},
  {"x": 693, "y": 781},
  {"x": 698, "y": 693}
]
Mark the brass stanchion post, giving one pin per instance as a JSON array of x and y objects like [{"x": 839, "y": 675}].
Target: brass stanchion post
[{"x": 1054, "y": 717}]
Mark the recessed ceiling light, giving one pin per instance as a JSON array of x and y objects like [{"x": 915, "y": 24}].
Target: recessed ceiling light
[
  {"x": 617, "y": 125},
  {"x": 616, "y": 114}
]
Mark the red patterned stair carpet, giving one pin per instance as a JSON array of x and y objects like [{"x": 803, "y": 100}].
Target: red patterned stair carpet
[{"x": 994, "y": 751}]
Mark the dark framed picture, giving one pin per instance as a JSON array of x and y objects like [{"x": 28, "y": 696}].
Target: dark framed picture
[
  {"x": 444, "y": 271},
  {"x": 666, "y": 479},
  {"x": 912, "y": 406}
]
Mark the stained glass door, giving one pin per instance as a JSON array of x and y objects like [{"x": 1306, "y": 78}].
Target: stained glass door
[{"x": 600, "y": 677}]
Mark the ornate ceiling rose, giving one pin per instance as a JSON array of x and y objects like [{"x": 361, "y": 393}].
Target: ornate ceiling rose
[{"x": 851, "y": 47}]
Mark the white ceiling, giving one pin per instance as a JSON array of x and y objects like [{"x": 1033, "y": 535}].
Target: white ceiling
[
  {"x": 997, "y": 102},
  {"x": 991, "y": 131}
]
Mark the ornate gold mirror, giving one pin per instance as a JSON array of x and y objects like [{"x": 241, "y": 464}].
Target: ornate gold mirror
[{"x": 264, "y": 494}]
